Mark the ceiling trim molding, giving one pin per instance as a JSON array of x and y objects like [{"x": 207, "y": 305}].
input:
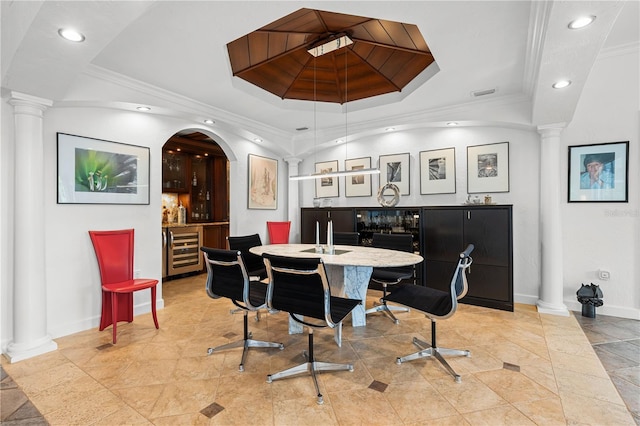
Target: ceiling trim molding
[
  {"x": 538, "y": 21},
  {"x": 189, "y": 105}
]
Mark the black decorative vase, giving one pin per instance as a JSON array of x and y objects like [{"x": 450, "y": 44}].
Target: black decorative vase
[{"x": 588, "y": 310}]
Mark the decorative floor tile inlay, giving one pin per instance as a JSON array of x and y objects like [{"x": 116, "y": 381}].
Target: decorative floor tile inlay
[
  {"x": 378, "y": 386},
  {"x": 229, "y": 335},
  {"x": 512, "y": 367},
  {"x": 212, "y": 409}
]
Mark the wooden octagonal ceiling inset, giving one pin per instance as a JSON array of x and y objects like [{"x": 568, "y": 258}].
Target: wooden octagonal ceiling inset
[{"x": 384, "y": 57}]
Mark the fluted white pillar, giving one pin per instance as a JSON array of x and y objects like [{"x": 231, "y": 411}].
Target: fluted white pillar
[
  {"x": 30, "y": 336},
  {"x": 293, "y": 206},
  {"x": 551, "y": 287}
]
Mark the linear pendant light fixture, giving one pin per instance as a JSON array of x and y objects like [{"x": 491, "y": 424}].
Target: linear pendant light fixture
[{"x": 323, "y": 49}]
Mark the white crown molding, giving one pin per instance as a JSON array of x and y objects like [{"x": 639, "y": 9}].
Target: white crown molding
[
  {"x": 538, "y": 20},
  {"x": 188, "y": 106},
  {"x": 621, "y": 50}
]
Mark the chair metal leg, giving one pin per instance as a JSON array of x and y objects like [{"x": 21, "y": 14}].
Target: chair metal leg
[
  {"x": 427, "y": 350},
  {"x": 386, "y": 309},
  {"x": 246, "y": 343},
  {"x": 311, "y": 367},
  {"x": 382, "y": 306},
  {"x": 236, "y": 310}
]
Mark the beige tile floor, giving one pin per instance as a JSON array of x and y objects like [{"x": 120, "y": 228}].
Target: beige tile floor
[{"x": 525, "y": 368}]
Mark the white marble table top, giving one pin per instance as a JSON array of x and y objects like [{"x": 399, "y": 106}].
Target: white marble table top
[{"x": 344, "y": 255}]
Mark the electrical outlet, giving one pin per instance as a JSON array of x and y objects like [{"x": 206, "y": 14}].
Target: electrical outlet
[
  {"x": 136, "y": 273},
  {"x": 604, "y": 275}
]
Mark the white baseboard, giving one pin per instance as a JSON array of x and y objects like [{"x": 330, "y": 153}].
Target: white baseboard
[
  {"x": 613, "y": 311},
  {"x": 94, "y": 322}
]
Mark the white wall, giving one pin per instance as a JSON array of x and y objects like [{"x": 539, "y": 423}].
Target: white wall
[
  {"x": 606, "y": 235},
  {"x": 73, "y": 283},
  {"x": 608, "y": 112},
  {"x": 523, "y": 188}
]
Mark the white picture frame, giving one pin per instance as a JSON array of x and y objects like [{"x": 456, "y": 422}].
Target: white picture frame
[
  {"x": 438, "y": 171},
  {"x": 357, "y": 185},
  {"x": 327, "y": 187},
  {"x": 488, "y": 168},
  {"x": 263, "y": 183},
  {"x": 395, "y": 169}
]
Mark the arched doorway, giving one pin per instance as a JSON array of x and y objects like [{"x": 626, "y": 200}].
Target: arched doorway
[{"x": 195, "y": 182}]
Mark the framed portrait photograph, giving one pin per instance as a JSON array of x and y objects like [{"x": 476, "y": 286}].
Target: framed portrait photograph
[
  {"x": 357, "y": 185},
  {"x": 96, "y": 171},
  {"x": 599, "y": 173},
  {"x": 488, "y": 168},
  {"x": 395, "y": 169},
  {"x": 263, "y": 183},
  {"x": 438, "y": 171},
  {"x": 327, "y": 186}
]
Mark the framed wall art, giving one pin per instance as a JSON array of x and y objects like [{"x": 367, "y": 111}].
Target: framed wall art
[
  {"x": 357, "y": 185},
  {"x": 96, "y": 171},
  {"x": 599, "y": 173},
  {"x": 327, "y": 186},
  {"x": 488, "y": 168},
  {"x": 263, "y": 183},
  {"x": 395, "y": 169},
  {"x": 438, "y": 171}
]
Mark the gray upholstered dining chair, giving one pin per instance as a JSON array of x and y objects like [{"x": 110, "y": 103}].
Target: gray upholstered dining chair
[
  {"x": 436, "y": 305},
  {"x": 227, "y": 277},
  {"x": 300, "y": 287}
]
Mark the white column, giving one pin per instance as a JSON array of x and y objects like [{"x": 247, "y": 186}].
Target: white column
[
  {"x": 30, "y": 336},
  {"x": 293, "y": 207},
  {"x": 551, "y": 287}
]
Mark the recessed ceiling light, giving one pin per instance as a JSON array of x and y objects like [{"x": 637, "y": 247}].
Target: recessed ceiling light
[
  {"x": 561, "y": 84},
  {"x": 581, "y": 22},
  {"x": 71, "y": 34},
  {"x": 143, "y": 108},
  {"x": 452, "y": 123},
  {"x": 207, "y": 121},
  {"x": 389, "y": 129},
  {"x": 339, "y": 141},
  {"x": 257, "y": 140}
]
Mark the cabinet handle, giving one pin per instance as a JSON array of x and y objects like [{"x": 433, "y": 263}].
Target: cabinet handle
[
  {"x": 468, "y": 214},
  {"x": 171, "y": 238},
  {"x": 164, "y": 239}
]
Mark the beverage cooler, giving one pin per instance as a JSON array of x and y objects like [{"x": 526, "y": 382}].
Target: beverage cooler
[{"x": 182, "y": 249}]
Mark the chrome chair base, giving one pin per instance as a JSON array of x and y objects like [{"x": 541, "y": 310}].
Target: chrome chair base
[
  {"x": 386, "y": 309},
  {"x": 426, "y": 350},
  {"x": 312, "y": 368},
  {"x": 245, "y": 343}
]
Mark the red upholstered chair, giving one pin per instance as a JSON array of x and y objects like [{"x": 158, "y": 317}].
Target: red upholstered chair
[
  {"x": 114, "y": 252},
  {"x": 278, "y": 232}
]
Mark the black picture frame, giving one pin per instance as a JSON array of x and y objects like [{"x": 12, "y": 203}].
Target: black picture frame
[
  {"x": 598, "y": 173},
  {"x": 98, "y": 171}
]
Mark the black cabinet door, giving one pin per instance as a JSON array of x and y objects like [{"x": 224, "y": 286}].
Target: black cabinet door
[
  {"x": 343, "y": 221},
  {"x": 488, "y": 231},
  {"x": 443, "y": 234},
  {"x": 448, "y": 230}
]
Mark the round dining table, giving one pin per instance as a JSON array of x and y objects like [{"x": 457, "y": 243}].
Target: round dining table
[{"x": 348, "y": 269}]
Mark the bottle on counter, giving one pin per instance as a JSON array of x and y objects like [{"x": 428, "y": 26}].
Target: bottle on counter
[{"x": 182, "y": 214}]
